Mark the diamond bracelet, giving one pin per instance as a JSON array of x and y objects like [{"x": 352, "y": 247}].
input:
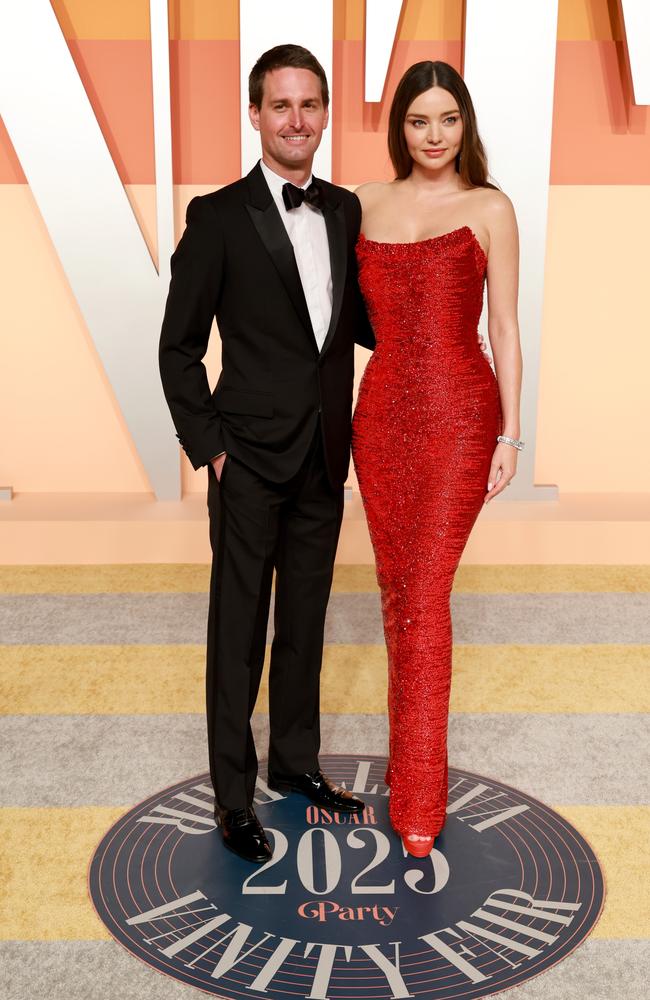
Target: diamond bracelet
[{"x": 502, "y": 439}]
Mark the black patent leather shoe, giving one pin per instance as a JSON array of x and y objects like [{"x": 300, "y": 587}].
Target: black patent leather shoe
[
  {"x": 321, "y": 790},
  {"x": 243, "y": 833}
]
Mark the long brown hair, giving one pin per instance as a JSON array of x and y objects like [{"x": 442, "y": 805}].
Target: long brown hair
[{"x": 471, "y": 161}]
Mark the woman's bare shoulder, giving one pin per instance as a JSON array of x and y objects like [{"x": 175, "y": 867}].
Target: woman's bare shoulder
[{"x": 496, "y": 203}]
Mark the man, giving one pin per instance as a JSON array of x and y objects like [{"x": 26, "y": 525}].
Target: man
[{"x": 272, "y": 256}]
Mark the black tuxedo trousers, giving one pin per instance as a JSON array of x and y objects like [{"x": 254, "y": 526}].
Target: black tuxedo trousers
[
  {"x": 256, "y": 526},
  {"x": 281, "y": 411}
]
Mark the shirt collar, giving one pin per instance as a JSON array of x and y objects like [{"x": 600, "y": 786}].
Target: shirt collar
[{"x": 276, "y": 183}]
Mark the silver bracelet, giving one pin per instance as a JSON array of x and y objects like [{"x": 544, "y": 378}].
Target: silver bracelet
[{"x": 502, "y": 439}]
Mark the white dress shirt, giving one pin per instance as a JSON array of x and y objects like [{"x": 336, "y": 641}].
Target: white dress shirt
[{"x": 306, "y": 229}]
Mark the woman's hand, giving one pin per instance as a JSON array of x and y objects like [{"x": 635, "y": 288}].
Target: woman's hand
[
  {"x": 484, "y": 347},
  {"x": 502, "y": 470}
]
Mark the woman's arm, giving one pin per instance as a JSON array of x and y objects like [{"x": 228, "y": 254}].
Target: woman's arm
[{"x": 503, "y": 330}]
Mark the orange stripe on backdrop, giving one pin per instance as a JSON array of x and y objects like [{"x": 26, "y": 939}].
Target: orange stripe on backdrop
[
  {"x": 103, "y": 19},
  {"x": 117, "y": 80},
  {"x": 585, "y": 20},
  {"x": 11, "y": 171},
  {"x": 205, "y": 112},
  {"x": 588, "y": 20},
  {"x": 219, "y": 19},
  {"x": 599, "y": 136},
  {"x": 129, "y": 19},
  {"x": 421, "y": 20}
]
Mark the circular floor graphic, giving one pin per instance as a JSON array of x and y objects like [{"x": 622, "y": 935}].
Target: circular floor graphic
[{"x": 508, "y": 891}]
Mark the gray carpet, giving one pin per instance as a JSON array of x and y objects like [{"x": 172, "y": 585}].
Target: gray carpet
[
  {"x": 352, "y": 618},
  {"x": 61, "y": 760},
  {"x": 102, "y": 970}
]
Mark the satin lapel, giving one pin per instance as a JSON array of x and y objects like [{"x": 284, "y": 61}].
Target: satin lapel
[
  {"x": 337, "y": 238},
  {"x": 274, "y": 236}
]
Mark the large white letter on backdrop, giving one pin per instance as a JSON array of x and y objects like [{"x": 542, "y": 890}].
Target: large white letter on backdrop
[
  {"x": 636, "y": 15},
  {"x": 266, "y": 23},
  {"x": 510, "y": 72},
  {"x": 382, "y": 19},
  {"x": 87, "y": 213}
]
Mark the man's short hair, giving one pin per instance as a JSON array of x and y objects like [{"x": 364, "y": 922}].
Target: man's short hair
[{"x": 280, "y": 57}]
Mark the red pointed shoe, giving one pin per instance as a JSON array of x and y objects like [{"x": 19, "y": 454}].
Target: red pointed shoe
[{"x": 418, "y": 848}]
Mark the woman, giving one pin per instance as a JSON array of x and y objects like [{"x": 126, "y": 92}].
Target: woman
[{"x": 434, "y": 435}]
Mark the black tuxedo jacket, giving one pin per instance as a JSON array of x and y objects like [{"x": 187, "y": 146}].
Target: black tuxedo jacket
[{"x": 235, "y": 261}]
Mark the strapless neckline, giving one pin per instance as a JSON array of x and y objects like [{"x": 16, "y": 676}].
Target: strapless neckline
[{"x": 430, "y": 239}]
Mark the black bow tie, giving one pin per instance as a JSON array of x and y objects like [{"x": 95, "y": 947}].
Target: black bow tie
[{"x": 293, "y": 196}]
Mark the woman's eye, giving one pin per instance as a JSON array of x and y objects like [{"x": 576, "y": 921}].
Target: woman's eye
[
  {"x": 451, "y": 120},
  {"x": 418, "y": 122}
]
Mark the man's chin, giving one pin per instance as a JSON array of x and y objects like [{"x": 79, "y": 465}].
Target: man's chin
[
  {"x": 302, "y": 160},
  {"x": 299, "y": 152}
]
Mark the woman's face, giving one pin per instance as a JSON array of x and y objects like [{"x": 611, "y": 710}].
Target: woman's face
[{"x": 433, "y": 129}]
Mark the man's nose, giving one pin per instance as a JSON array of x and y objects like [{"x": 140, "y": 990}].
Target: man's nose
[{"x": 295, "y": 118}]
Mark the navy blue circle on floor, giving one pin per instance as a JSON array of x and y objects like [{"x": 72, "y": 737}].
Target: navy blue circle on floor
[{"x": 340, "y": 912}]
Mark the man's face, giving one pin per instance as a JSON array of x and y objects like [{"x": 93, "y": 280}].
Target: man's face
[{"x": 291, "y": 119}]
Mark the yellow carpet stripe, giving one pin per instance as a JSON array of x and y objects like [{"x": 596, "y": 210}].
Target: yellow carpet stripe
[
  {"x": 194, "y": 578},
  {"x": 551, "y": 679},
  {"x": 536, "y": 579},
  {"x": 620, "y": 836},
  {"x": 44, "y": 856},
  {"x": 144, "y": 680}
]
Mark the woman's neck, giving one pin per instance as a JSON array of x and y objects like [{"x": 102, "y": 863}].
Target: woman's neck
[{"x": 440, "y": 182}]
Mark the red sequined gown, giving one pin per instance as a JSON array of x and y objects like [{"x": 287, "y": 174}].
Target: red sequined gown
[{"x": 424, "y": 433}]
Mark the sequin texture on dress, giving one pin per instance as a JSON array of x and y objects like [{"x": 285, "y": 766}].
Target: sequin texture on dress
[{"x": 424, "y": 432}]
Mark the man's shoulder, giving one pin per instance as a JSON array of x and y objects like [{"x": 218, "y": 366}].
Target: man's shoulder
[
  {"x": 207, "y": 208},
  {"x": 223, "y": 195}
]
